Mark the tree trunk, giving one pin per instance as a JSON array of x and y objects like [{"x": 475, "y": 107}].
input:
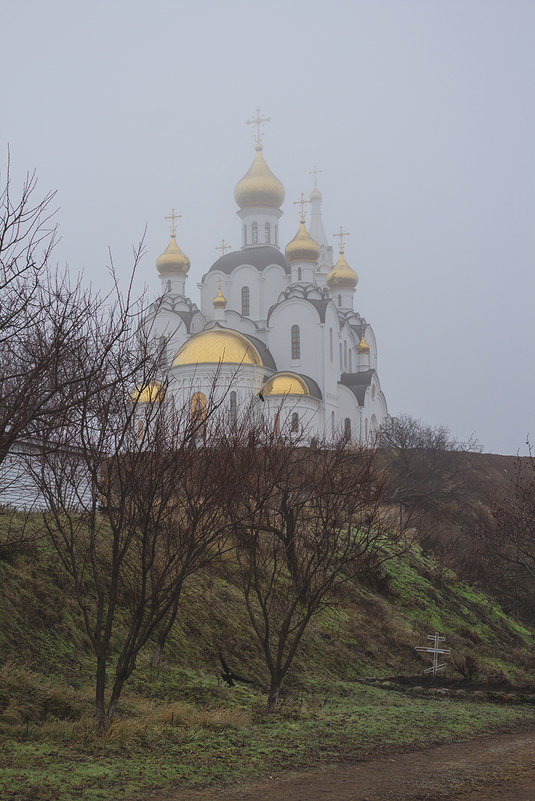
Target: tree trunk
[
  {"x": 273, "y": 695},
  {"x": 100, "y": 688},
  {"x": 156, "y": 656}
]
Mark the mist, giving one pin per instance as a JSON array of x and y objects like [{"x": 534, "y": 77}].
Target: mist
[{"x": 419, "y": 115}]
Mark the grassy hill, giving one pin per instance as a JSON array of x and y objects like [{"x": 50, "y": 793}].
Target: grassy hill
[{"x": 344, "y": 699}]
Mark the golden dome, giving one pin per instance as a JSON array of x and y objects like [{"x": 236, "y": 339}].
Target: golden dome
[
  {"x": 302, "y": 247},
  {"x": 342, "y": 276},
  {"x": 316, "y": 194},
  {"x": 216, "y": 346},
  {"x": 259, "y": 187},
  {"x": 220, "y": 301},
  {"x": 363, "y": 346},
  {"x": 150, "y": 393},
  {"x": 172, "y": 259},
  {"x": 285, "y": 384}
]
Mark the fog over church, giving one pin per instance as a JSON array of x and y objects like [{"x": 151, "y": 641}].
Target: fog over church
[{"x": 278, "y": 326}]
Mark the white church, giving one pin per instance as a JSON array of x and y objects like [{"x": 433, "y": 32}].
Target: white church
[{"x": 277, "y": 329}]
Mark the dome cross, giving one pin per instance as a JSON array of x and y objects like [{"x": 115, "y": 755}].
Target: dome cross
[
  {"x": 301, "y": 202},
  {"x": 340, "y": 234},
  {"x": 315, "y": 172},
  {"x": 258, "y": 121},
  {"x": 223, "y": 246},
  {"x": 173, "y": 216}
]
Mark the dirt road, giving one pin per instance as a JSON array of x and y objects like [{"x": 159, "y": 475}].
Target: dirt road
[{"x": 499, "y": 768}]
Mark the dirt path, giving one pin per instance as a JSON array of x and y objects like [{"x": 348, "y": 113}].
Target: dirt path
[{"x": 487, "y": 769}]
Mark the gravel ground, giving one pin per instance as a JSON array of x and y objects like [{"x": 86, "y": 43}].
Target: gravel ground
[{"x": 500, "y": 768}]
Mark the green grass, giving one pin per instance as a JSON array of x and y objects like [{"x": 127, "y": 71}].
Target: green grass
[
  {"x": 182, "y": 726},
  {"x": 183, "y": 744}
]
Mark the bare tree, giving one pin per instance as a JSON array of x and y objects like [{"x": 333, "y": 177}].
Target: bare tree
[
  {"x": 505, "y": 540},
  {"x": 431, "y": 476},
  {"x": 305, "y": 521},
  {"x": 133, "y": 509},
  {"x": 47, "y": 321}
]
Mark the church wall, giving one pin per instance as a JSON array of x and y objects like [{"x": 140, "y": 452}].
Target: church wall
[
  {"x": 372, "y": 342},
  {"x": 331, "y": 375},
  {"x": 348, "y": 408},
  {"x": 245, "y": 276},
  {"x": 311, "y": 332},
  {"x": 216, "y": 382},
  {"x": 170, "y": 325},
  {"x": 274, "y": 281},
  {"x": 238, "y": 323},
  {"x": 279, "y": 414},
  {"x": 260, "y": 217}
]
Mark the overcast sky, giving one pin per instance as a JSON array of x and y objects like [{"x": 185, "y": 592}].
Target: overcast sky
[{"x": 421, "y": 115}]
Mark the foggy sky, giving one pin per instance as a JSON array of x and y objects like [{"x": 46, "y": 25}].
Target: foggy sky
[{"x": 420, "y": 114}]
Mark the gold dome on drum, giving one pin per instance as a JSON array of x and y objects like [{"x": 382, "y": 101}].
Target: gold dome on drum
[
  {"x": 302, "y": 247},
  {"x": 172, "y": 260},
  {"x": 259, "y": 187},
  {"x": 220, "y": 301},
  {"x": 151, "y": 393},
  {"x": 363, "y": 346},
  {"x": 217, "y": 346},
  {"x": 342, "y": 276},
  {"x": 285, "y": 384}
]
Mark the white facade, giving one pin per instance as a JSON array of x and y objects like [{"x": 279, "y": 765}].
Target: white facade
[{"x": 278, "y": 329}]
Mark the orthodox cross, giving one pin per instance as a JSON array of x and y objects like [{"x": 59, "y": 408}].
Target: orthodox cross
[
  {"x": 340, "y": 234},
  {"x": 301, "y": 202},
  {"x": 173, "y": 216},
  {"x": 436, "y": 651},
  {"x": 315, "y": 172},
  {"x": 258, "y": 121},
  {"x": 222, "y": 247}
]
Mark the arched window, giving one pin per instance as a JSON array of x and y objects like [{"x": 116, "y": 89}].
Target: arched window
[
  {"x": 333, "y": 424},
  {"x": 299, "y": 274},
  {"x": 345, "y": 354},
  {"x": 244, "y": 234},
  {"x": 295, "y": 423},
  {"x": 366, "y": 428},
  {"x": 341, "y": 362},
  {"x": 245, "y": 301},
  {"x": 339, "y": 300},
  {"x": 198, "y": 407},
  {"x": 140, "y": 429},
  {"x": 331, "y": 343},
  {"x": 347, "y": 428},
  {"x": 277, "y": 424},
  {"x": 233, "y": 409},
  {"x": 254, "y": 233},
  {"x": 296, "y": 342},
  {"x": 350, "y": 361},
  {"x": 267, "y": 233}
]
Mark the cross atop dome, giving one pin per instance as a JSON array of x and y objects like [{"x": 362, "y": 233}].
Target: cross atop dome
[
  {"x": 223, "y": 246},
  {"x": 301, "y": 202},
  {"x": 173, "y": 216},
  {"x": 258, "y": 121},
  {"x": 340, "y": 234},
  {"x": 315, "y": 172}
]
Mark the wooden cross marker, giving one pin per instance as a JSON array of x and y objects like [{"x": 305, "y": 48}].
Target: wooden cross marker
[
  {"x": 340, "y": 234},
  {"x": 223, "y": 246},
  {"x": 258, "y": 121},
  {"x": 436, "y": 651},
  {"x": 301, "y": 202},
  {"x": 173, "y": 216},
  {"x": 315, "y": 172}
]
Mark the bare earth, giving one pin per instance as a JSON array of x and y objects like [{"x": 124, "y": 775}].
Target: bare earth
[{"x": 498, "y": 768}]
